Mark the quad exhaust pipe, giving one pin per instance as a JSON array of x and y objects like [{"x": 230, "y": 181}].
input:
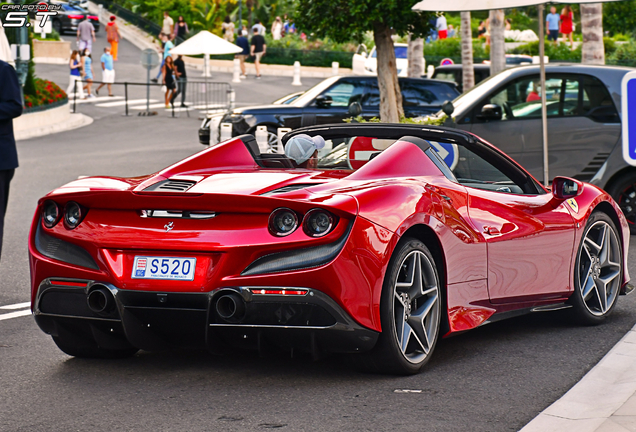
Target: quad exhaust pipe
[
  {"x": 100, "y": 299},
  {"x": 231, "y": 307}
]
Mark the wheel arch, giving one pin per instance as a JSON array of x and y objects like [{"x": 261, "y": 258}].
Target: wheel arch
[
  {"x": 427, "y": 235},
  {"x": 610, "y": 211},
  {"x": 616, "y": 177}
]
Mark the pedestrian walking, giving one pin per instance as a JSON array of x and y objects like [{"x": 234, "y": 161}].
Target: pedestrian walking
[
  {"x": 87, "y": 67},
  {"x": 85, "y": 35},
  {"x": 10, "y": 108},
  {"x": 552, "y": 21},
  {"x": 168, "y": 80},
  {"x": 567, "y": 25},
  {"x": 289, "y": 27},
  {"x": 168, "y": 25},
  {"x": 113, "y": 36},
  {"x": 182, "y": 81},
  {"x": 258, "y": 27},
  {"x": 277, "y": 28},
  {"x": 167, "y": 46},
  {"x": 228, "y": 29},
  {"x": 75, "y": 63},
  {"x": 441, "y": 26},
  {"x": 181, "y": 29},
  {"x": 257, "y": 49},
  {"x": 242, "y": 42},
  {"x": 108, "y": 72}
]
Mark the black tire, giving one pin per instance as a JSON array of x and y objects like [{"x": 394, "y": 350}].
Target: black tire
[
  {"x": 597, "y": 274},
  {"x": 77, "y": 344},
  {"x": 388, "y": 356},
  {"x": 624, "y": 193}
]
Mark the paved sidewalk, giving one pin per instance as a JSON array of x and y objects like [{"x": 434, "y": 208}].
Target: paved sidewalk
[{"x": 603, "y": 401}]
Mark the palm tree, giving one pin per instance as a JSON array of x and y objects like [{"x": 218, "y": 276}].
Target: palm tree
[
  {"x": 497, "y": 42},
  {"x": 415, "y": 54},
  {"x": 593, "y": 51},
  {"x": 468, "y": 73}
]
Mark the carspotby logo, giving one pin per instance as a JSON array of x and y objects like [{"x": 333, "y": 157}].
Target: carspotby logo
[{"x": 18, "y": 14}]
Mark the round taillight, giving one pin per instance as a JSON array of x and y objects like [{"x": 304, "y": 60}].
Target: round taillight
[
  {"x": 50, "y": 214},
  {"x": 72, "y": 214},
  {"x": 317, "y": 222},
  {"x": 283, "y": 222}
]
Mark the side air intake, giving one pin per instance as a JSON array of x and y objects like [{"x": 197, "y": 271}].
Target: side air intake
[{"x": 171, "y": 186}]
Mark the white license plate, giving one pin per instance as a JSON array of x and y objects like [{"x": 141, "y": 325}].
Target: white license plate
[{"x": 164, "y": 268}]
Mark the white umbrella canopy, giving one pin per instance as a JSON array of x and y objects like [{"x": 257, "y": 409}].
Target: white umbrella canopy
[
  {"x": 478, "y": 5},
  {"x": 205, "y": 43}
]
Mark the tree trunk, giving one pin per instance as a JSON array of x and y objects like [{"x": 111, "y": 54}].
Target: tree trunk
[
  {"x": 390, "y": 96},
  {"x": 497, "y": 42},
  {"x": 593, "y": 51},
  {"x": 415, "y": 55},
  {"x": 468, "y": 71}
]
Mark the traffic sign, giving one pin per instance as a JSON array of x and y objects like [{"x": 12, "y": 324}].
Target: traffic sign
[
  {"x": 446, "y": 62},
  {"x": 149, "y": 58},
  {"x": 448, "y": 152},
  {"x": 628, "y": 103}
]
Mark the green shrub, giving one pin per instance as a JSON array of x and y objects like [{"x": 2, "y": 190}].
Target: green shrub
[
  {"x": 620, "y": 37},
  {"x": 46, "y": 92},
  {"x": 451, "y": 48},
  {"x": 560, "y": 52},
  {"x": 624, "y": 54}
]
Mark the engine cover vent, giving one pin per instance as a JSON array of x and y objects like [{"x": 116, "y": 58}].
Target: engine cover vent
[{"x": 171, "y": 186}]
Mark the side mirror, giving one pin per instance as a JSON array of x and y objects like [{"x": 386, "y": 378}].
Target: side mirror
[
  {"x": 324, "y": 101},
  {"x": 565, "y": 187},
  {"x": 355, "y": 109},
  {"x": 448, "y": 108},
  {"x": 490, "y": 112}
]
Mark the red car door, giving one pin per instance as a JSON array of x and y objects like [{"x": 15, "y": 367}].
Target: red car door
[{"x": 530, "y": 239}]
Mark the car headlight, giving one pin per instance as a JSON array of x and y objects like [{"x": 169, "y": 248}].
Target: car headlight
[
  {"x": 50, "y": 214},
  {"x": 317, "y": 222},
  {"x": 73, "y": 214},
  {"x": 283, "y": 222}
]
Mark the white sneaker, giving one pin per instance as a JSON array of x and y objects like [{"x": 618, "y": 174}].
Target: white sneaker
[
  {"x": 91, "y": 95},
  {"x": 243, "y": 76}
]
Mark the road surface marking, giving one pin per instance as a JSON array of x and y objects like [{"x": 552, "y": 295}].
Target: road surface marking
[
  {"x": 122, "y": 103},
  {"x": 406, "y": 391},
  {"x": 95, "y": 99},
  {"x": 15, "y": 314},
  {"x": 16, "y": 306}
]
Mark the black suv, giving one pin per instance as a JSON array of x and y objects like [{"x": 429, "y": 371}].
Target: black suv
[{"x": 331, "y": 101}]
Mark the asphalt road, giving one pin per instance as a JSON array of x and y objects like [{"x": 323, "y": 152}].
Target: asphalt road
[{"x": 495, "y": 378}]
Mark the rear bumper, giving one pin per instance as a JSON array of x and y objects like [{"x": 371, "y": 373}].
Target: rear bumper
[{"x": 158, "y": 320}]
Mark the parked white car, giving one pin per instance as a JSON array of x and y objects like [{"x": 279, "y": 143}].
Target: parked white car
[{"x": 367, "y": 64}]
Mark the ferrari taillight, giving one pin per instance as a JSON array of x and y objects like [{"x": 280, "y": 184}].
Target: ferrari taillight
[{"x": 277, "y": 291}]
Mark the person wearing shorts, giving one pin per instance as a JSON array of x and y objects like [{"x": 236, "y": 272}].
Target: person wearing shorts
[
  {"x": 108, "y": 72},
  {"x": 257, "y": 49},
  {"x": 552, "y": 22}
]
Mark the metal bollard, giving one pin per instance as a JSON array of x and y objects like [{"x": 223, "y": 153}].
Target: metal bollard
[
  {"x": 261, "y": 139},
  {"x": 226, "y": 132},
  {"x": 296, "y": 81},
  {"x": 334, "y": 68},
  {"x": 429, "y": 71},
  {"x": 237, "y": 71}
]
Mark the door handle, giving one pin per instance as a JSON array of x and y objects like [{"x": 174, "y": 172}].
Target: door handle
[{"x": 491, "y": 230}]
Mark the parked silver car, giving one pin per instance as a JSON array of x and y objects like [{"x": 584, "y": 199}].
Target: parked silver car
[{"x": 584, "y": 124}]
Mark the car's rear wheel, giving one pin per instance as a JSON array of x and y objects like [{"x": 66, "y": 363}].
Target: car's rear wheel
[
  {"x": 410, "y": 311},
  {"x": 624, "y": 193},
  {"x": 77, "y": 344},
  {"x": 598, "y": 272}
]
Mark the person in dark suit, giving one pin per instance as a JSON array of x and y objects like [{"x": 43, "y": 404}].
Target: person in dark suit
[{"x": 10, "y": 108}]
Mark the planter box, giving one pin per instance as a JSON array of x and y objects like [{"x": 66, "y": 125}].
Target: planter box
[{"x": 56, "y": 52}]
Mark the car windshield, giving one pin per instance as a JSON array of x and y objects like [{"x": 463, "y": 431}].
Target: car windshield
[
  {"x": 400, "y": 52},
  {"x": 466, "y": 100},
  {"x": 307, "y": 97}
]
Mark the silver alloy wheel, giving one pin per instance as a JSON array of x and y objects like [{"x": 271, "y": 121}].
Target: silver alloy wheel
[
  {"x": 272, "y": 141},
  {"x": 416, "y": 306},
  {"x": 599, "y": 268}
]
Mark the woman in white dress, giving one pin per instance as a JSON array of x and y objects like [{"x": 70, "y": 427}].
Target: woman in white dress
[
  {"x": 277, "y": 28},
  {"x": 228, "y": 29}
]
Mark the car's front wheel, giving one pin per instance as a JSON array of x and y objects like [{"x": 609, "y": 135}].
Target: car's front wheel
[
  {"x": 410, "y": 311},
  {"x": 598, "y": 272}
]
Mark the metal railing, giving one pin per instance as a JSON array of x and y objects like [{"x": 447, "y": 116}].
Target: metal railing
[{"x": 206, "y": 97}]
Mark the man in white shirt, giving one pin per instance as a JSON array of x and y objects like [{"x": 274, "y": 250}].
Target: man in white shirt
[
  {"x": 168, "y": 25},
  {"x": 442, "y": 28}
]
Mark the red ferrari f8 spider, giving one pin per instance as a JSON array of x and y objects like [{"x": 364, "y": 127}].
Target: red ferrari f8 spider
[{"x": 401, "y": 235}]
